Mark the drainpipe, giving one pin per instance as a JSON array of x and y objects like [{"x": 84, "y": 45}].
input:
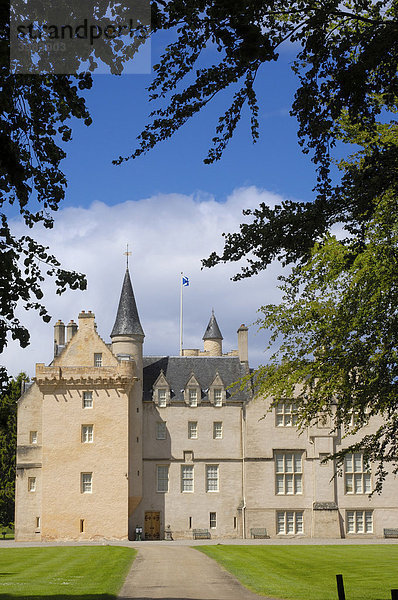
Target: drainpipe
[
  {"x": 243, "y": 438},
  {"x": 312, "y": 441}
]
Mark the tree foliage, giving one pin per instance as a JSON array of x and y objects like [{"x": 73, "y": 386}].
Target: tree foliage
[
  {"x": 336, "y": 329},
  {"x": 36, "y": 116},
  {"x": 337, "y": 326},
  {"x": 346, "y": 61},
  {"x": 8, "y": 444},
  {"x": 32, "y": 121}
]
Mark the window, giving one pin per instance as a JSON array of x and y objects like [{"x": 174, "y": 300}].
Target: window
[
  {"x": 187, "y": 478},
  {"x": 32, "y": 484},
  {"x": 86, "y": 483},
  {"x": 162, "y": 478},
  {"x": 217, "y": 430},
  {"x": 354, "y": 420},
  {"x": 82, "y": 526},
  {"x": 162, "y": 399},
  {"x": 98, "y": 359},
  {"x": 211, "y": 478},
  {"x": 87, "y": 399},
  {"x": 286, "y": 414},
  {"x": 213, "y": 520},
  {"x": 289, "y": 521},
  {"x": 359, "y": 419},
  {"x": 87, "y": 434},
  {"x": 33, "y": 437},
  {"x": 357, "y": 478},
  {"x": 218, "y": 397},
  {"x": 193, "y": 430},
  {"x": 161, "y": 430},
  {"x": 289, "y": 473},
  {"x": 37, "y": 522},
  {"x": 359, "y": 521},
  {"x": 193, "y": 397}
]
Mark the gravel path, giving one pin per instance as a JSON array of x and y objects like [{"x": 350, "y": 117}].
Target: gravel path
[{"x": 182, "y": 573}]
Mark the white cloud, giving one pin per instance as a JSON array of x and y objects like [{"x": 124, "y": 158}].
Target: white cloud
[{"x": 167, "y": 234}]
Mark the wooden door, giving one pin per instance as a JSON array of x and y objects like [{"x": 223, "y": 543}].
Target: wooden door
[{"x": 152, "y": 525}]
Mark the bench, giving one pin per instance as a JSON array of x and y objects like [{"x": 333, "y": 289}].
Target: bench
[
  {"x": 390, "y": 533},
  {"x": 259, "y": 532},
  {"x": 201, "y": 534}
]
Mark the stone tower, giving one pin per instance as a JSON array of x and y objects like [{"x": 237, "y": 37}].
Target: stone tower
[
  {"x": 127, "y": 345},
  {"x": 127, "y": 333},
  {"x": 213, "y": 337}
]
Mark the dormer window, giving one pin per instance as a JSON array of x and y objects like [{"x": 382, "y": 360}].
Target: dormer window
[
  {"x": 216, "y": 393},
  {"x": 161, "y": 391},
  {"x": 217, "y": 397},
  {"x": 193, "y": 397},
  {"x": 162, "y": 397},
  {"x": 192, "y": 392}
]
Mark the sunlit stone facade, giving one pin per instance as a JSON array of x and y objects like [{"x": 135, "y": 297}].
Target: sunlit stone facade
[{"x": 110, "y": 440}]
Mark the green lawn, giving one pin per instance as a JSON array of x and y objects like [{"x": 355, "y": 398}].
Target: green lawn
[
  {"x": 309, "y": 572},
  {"x": 83, "y": 573}
]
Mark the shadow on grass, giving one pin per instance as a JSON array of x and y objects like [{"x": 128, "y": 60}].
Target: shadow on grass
[
  {"x": 88, "y": 597},
  {"x": 23, "y": 596},
  {"x": 107, "y": 597}
]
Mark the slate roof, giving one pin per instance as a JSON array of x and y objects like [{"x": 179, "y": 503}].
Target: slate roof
[
  {"x": 127, "y": 319},
  {"x": 178, "y": 370},
  {"x": 213, "y": 331}
]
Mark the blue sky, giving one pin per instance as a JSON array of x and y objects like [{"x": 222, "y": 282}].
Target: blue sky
[
  {"x": 171, "y": 209},
  {"x": 119, "y": 106}
]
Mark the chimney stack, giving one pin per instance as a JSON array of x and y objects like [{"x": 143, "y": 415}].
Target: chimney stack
[
  {"x": 59, "y": 336},
  {"x": 243, "y": 344},
  {"x": 59, "y": 333},
  {"x": 71, "y": 329}
]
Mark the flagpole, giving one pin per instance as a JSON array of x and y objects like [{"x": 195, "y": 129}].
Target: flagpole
[{"x": 181, "y": 314}]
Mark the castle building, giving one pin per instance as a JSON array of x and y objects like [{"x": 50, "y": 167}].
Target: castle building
[{"x": 110, "y": 440}]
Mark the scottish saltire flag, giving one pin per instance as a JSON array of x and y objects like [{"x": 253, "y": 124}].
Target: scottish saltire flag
[{"x": 185, "y": 281}]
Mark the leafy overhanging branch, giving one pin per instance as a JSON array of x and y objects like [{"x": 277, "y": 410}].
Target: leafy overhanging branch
[
  {"x": 337, "y": 328},
  {"x": 33, "y": 120},
  {"x": 8, "y": 445},
  {"x": 346, "y": 63}
]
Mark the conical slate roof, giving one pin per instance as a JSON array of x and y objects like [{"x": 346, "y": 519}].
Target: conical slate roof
[
  {"x": 127, "y": 319},
  {"x": 213, "y": 331}
]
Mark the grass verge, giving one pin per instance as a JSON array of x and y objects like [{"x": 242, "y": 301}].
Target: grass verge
[
  {"x": 84, "y": 573},
  {"x": 309, "y": 572}
]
